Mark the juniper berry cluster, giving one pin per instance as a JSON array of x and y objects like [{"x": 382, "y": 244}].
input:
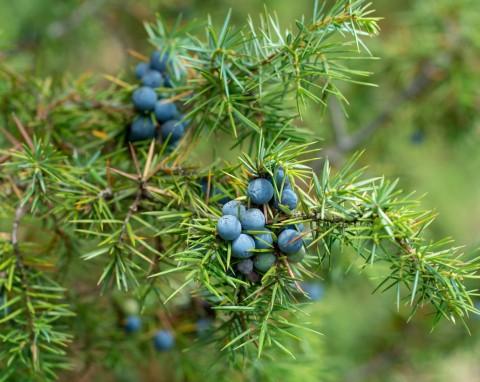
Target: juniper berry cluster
[
  {"x": 157, "y": 115},
  {"x": 255, "y": 246}
]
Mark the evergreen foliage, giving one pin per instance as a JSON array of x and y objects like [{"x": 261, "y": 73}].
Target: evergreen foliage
[{"x": 76, "y": 197}]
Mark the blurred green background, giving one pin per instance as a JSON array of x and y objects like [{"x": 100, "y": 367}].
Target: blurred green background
[{"x": 420, "y": 124}]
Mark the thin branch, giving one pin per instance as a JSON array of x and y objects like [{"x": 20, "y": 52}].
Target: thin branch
[
  {"x": 133, "y": 208},
  {"x": 135, "y": 159},
  {"x": 23, "y": 132},
  {"x": 345, "y": 143},
  {"x": 19, "y": 212},
  {"x": 315, "y": 217},
  {"x": 292, "y": 275}
]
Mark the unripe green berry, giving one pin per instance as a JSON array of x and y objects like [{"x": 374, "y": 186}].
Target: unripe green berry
[
  {"x": 264, "y": 261},
  {"x": 297, "y": 256}
]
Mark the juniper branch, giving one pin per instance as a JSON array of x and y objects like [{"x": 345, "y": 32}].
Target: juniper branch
[{"x": 29, "y": 308}]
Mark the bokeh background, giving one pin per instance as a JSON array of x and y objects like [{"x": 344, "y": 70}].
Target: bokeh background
[{"x": 420, "y": 124}]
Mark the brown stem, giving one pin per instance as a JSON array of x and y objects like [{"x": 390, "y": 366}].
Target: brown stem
[
  {"x": 291, "y": 274},
  {"x": 314, "y": 216},
  {"x": 19, "y": 212},
  {"x": 24, "y": 132},
  {"x": 133, "y": 208},
  {"x": 348, "y": 142}
]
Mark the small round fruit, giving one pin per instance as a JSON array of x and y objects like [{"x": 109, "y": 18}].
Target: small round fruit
[
  {"x": 141, "y": 69},
  {"x": 264, "y": 261},
  {"x": 260, "y": 191},
  {"x": 281, "y": 178},
  {"x": 152, "y": 79},
  {"x": 286, "y": 243},
  {"x": 289, "y": 199},
  {"x": 245, "y": 266},
  {"x": 165, "y": 111},
  {"x": 243, "y": 246},
  {"x": 235, "y": 208},
  {"x": 253, "y": 277},
  {"x": 253, "y": 219},
  {"x": 159, "y": 60},
  {"x": 141, "y": 128},
  {"x": 297, "y": 256},
  {"x": 314, "y": 289},
  {"x": 132, "y": 324},
  {"x": 144, "y": 99},
  {"x": 263, "y": 240},
  {"x": 163, "y": 340},
  {"x": 173, "y": 129},
  {"x": 130, "y": 307},
  {"x": 229, "y": 227}
]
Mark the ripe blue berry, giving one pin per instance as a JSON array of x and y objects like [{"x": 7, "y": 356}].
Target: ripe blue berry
[
  {"x": 281, "y": 178},
  {"x": 152, "y": 79},
  {"x": 132, "y": 324},
  {"x": 260, "y": 191},
  {"x": 229, "y": 227},
  {"x": 264, "y": 261},
  {"x": 165, "y": 111},
  {"x": 298, "y": 256},
  {"x": 285, "y": 241},
  {"x": 314, "y": 290},
  {"x": 263, "y": 240},
  {"x": 235, "y": 208},
  {"x": 159, "y": 61},
  {"x": 141, "y": 69},
  {"x": 173, "y": 129},
  {"x": 144, "y": 99},
  {"x": 141, "y": 128},
  {"x": 245, "y": 266},
  {"x": 163, "y": 340},
  {"x": 289, "y": 199},
  {"x": 243, "y": 246},
  {"x": 253, "y": 219}
]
